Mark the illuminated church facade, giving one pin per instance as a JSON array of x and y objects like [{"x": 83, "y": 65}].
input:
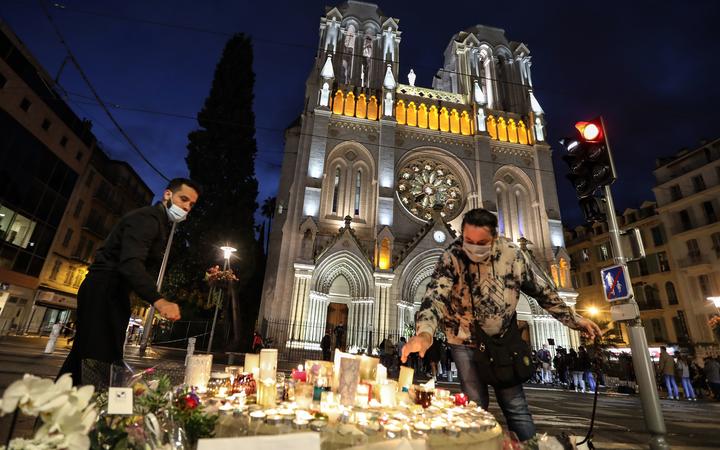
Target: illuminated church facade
[{"x": 377, "y": 174}]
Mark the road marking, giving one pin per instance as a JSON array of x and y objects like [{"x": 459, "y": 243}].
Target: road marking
[{"x": 572, "y": 421}]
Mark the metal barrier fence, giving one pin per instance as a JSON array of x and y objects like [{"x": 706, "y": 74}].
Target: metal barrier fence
[{"x": 176, "y": 334}]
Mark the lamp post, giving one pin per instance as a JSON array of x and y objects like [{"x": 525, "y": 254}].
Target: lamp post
[
  {"x": 227, "y": 253},
  {"x": 716, "y": 301}
]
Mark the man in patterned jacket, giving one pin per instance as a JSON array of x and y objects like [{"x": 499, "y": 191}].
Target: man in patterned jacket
[{"x": 486, "y": 272}]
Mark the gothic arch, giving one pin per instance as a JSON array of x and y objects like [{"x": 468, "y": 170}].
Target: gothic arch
[
  {"x": 416, "y": 270},
  {"x": 516, "y": 200},
  {"x": 350, "y": 157},
  {"x": 348, "y": 265}
]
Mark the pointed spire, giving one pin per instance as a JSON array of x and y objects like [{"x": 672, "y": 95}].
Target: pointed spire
[
  {"x": 535, "y": 105},
  {"x": 327, "y": 70},
  {"x": 479, "y": 95},
  {"x": 389, "y": 81}
]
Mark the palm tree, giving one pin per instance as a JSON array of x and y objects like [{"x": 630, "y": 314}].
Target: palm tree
[{"x": 268, "y": 210}]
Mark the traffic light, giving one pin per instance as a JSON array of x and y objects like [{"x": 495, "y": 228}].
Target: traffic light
[{"x": 588, "y": 158}]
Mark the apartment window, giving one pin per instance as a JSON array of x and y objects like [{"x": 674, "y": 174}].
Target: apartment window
[
  {"x": 78, "y": 208},
  {"x": 67, "y": 238},
  {"x": 575, "y": 281},
  {"x": 603, "y": 252},
  {"x": 3, "y": 81},
  {"x": 80, "y": 247},
  {"x": 704, "y": 283},
  {"x": 663, "y": 262},
  {"x": 631, "y": 218},
  {"x": 79, "y": 155},
  {"x": 89, "y": 247},
  {"x": 680, "y": 325},
  {"x": 25, "y": 104},
  {"x": 90, "y": 178},
  {"x": 651, "y": 297},
  {"x": 658, "y": 235},
  {"x": 586, "y": 254},
  {"x": 675, "y": 192},
  {"x": 46, "y": 124},
  {"x": 657, "y": 329},
  {"x": 685, "y": 222},
  {"x": 69, "y": 276},
  {"x": 671, "y": 294},
  {"x": 693, "y": 249},
  {"x": 588, "y": 278},
  {"x": 709, "y": 210},
  {"x": 716, "y": 243},
  {"x": 698, "y": 183},
  {"x": 63, "y": 141},
  {"x": 55, "y": 269}
]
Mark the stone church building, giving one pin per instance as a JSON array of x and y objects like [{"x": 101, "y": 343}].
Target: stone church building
[{"x": 377, "y": 174}]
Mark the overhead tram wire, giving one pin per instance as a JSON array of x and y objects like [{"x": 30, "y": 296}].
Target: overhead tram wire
[
  {"x": 315, "y": 49},
  {"x": 90, "y": 86}
]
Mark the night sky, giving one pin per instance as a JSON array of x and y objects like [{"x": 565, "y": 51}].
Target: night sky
[{"x": 650, "y": 68}]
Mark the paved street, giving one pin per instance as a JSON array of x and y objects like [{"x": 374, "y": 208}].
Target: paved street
[{"x": 619, "y": 423}]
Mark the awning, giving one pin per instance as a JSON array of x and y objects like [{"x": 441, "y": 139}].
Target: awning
[{"x": 56, "y": 300}]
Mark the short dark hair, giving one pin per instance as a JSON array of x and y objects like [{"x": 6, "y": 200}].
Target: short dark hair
[
  {"x": 662, "y": 347},
  {"x": 480, "y": 217},
  {"x": 175, "y": 184}
]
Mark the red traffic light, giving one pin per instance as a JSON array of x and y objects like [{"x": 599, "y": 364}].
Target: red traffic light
[{"x": 590, "y": 131}]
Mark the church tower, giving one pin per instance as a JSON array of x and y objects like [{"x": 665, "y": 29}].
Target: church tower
[{"x": 378, "y": 173}]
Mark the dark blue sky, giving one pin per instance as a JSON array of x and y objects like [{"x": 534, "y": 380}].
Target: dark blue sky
[{"x": 650, "y": 67}]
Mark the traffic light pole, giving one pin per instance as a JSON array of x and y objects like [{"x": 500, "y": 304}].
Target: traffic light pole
[{"x": 644, "y": 370}]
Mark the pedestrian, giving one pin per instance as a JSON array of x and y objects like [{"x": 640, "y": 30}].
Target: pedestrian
[
  {"x": 326, "y": 345},
  {"x": 474, "y": 292},
  {"x": 666, "y": 367},
  {"x": 577, "y": 369},
  {"x": 545, "y": 359},
  {"x": 586, "y": 364},
  {"x": 387, "y": 351},
  {"x": 684, "y": 369},
  {"x": 712, "y": 374},
  {"x": 433, "y": 355},
  {"x": 401, "y": 344},
  {"x": 340, "y": 338},
  {"x": 128, "y": 261},
  {"x": 257, "y": 342}
]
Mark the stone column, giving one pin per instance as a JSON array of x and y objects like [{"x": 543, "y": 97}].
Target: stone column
[
  {"x": 381, "y": 319},
  {"x": 300, "y": 299}
]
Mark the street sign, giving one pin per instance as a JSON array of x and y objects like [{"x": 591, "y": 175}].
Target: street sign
[{"x": 615, "y": 285}]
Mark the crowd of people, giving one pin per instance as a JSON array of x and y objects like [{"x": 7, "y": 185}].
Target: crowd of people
[
  {"x": 570, "y": 368},
  {"x": 696, "y": 381}
]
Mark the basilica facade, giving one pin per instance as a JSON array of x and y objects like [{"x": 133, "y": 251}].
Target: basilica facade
[{"x": 377, "y": 174}]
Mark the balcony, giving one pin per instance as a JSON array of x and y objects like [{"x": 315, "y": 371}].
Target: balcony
[
  {"x": 95, "y": 227},
  {"x": 695, "y": 264}
]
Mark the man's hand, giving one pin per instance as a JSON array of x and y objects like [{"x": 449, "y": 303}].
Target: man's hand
[
  {"x": 589, "y": 329},
  {"x": 419, "y": 343},
  {"x": 167, "y": 310}
]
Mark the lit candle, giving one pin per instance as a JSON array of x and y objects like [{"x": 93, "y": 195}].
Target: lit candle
[
  {"x": 381, "y": 374},
  {"x": 386, "y": 393},
  {"x": 405, "y": 379},
  {"x": 368, "y": 366},
  {"x": 268, "y": 363},
  {"x": 362, "y": 396},
  {"x": 197, "y": 372},
  {"x": 267, "y": 392},
  {"x": 252, "y": 361}
]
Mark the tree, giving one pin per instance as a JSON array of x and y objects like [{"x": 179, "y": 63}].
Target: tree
[
  {"x": 221, "y": 157},
  {"x": 268, "y": 210}
]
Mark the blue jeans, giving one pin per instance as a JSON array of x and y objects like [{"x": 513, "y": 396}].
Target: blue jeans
[
  {"x": 671, "y": 386},
  {"x": 687, "y": 388},
  {"x": 590, "y": 380},
  {"x": 511, "y": 400}
]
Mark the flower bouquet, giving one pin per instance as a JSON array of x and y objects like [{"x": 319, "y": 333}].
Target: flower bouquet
[{"x": 215, "y": 275}]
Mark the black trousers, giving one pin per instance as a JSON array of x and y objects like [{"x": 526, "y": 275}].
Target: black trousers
[{"x": 102, "y": 318}]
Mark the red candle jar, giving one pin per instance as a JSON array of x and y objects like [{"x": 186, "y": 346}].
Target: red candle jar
[{"x": 461, "y": 399}]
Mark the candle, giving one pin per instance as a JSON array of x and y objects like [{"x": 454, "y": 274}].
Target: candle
[
  {"x": 197, "y": 372},
  {"x": 381, "y": 374},
  {"x": 362, "y": 396},
  {"x": 256, "y": 373},
  {"x": 268, "y": 363},
  {"x": 405, "y": 379},
  {"x": 368, "y": 367},
  {"x": 386, "y": 393},
  {"x": 267, "y": 392},
  {"x": 299, "y": 375},
  {"x": 252, "y": 361}
]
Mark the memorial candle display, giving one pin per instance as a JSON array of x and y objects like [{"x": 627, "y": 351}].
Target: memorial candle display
[
  {"x": 197, "y": 372},
  {"x": 268, "y": 363},
  {"x": 405, "y": 379},
  {"x": 252, "y": 361},
  {"x": 381, "y": 374}
]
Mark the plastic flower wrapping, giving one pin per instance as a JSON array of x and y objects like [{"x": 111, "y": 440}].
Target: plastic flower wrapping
[{"x": 215, "y": 275}]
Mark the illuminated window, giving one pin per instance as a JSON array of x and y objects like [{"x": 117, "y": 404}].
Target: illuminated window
[
  {"x": 512, "y": 131},
  {"x": 372, "y": 111},
  {"x": 361, "y": 111},
  {"x": 336, "y": 189},
  {"x": 433, "y": 118},
  {"x": 522, "y": 133},
  {"x": 350, "y": 104},
  {"x": 400, "y": 112},
  {"x": 338, "y": 103},
  {"x": 15, "y": 228},
  {"x": 454, "y": 121},
  {"x": 358, "y": 186},
  {"x": 556, "y": 278},
  {"x": 491, "y": 127},
  {"x": 444, "y": 119},
  {"x": 384, "y": 262},
  {"x": 422, "y": 120},
  {"x": 411, "y": 114},
  {"x": 564, "y": 273},
  {"x": 502, "y": 130},
  {"x": 465, "y": 127}
]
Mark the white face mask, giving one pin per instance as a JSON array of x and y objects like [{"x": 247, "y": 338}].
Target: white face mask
[
  {"x": 175, "y": 213},
  {"x": 477, "y": 253}
]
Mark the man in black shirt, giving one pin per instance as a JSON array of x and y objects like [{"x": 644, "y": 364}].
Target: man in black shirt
[{"x": 128, "y": 261}]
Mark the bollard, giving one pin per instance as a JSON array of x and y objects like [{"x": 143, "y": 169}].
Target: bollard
[
  {"x": 190, "y": 349},
  {"x": 50, "y": 347}
]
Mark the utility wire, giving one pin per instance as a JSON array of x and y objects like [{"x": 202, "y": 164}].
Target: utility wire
[{"x": 85, "y": 78}]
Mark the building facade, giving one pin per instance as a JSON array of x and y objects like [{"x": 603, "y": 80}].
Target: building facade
[
  {"x": 378, "y": 173},
  {"x": 687, "y": 190},
  {"x": 59, "y": 194}
]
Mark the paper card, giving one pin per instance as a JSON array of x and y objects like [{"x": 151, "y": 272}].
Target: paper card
[
  {"x": 292, "y": 441},
  {"x": 349, "y": 379},
  {"x": 120, "y": 401}
]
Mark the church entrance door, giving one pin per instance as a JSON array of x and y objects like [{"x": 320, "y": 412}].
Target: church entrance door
[{"x": 337, "y": 318}]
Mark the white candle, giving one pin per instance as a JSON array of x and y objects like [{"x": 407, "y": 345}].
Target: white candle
[
  {"x": 268, "y": 363},
  {"x": 197, "y": 372},
  {"x": 387, "y": 394},
  {"x": 252, "y": 360},
  {"x": 381, "y": 375},
  {"x": 405, "y": 379}
]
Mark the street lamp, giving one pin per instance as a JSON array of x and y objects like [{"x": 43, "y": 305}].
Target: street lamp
[
  {"x": 715, "y": 300},
  {"x": 593, "y": 311},
  {"x": 227, "y": 253}
]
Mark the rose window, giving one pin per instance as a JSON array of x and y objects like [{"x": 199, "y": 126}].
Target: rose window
[{"x": 424, "y": 183}]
